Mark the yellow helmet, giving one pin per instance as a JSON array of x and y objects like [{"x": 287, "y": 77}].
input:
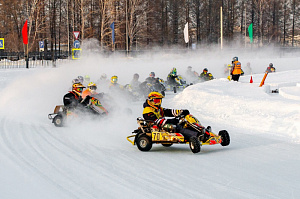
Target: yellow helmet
[
  {"x": 155, "y": 98},
  {"x": 114, "y": 79},
  {"x": 92, "y": 86}
]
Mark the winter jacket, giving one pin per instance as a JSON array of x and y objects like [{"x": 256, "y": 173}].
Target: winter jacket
[{"x": 236, "y": 70}]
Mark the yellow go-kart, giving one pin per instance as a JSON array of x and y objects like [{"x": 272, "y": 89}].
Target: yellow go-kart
[{"x": 148, "y": 134}]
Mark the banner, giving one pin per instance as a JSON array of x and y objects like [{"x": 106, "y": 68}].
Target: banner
[
  {"x": 112, "y": 26},
  {"x": 24, "y": 33},
  {"x": 250, "y": 30},
  {"x": 186, "y": 33}
]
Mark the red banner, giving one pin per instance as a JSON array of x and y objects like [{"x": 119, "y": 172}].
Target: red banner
[{"x": 24, "y": 33}]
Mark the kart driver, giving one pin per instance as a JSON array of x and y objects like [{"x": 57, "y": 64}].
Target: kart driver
[
  {"x": 74, "y": 101},
  {"x": 155, "y": 113},
  {"x": 73, "y": 98}
]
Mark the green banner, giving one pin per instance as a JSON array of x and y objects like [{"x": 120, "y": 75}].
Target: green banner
[{"x": 250, "y": 30}]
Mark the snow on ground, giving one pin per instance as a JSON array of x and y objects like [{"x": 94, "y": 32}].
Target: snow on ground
[{"x": 93, "y": 159}]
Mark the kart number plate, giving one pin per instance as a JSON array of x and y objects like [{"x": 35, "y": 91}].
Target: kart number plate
[{"x": 156, "y": 136}]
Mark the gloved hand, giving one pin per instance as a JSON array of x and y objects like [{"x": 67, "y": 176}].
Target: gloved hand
[
  {"x": 185, "y": 112},
  {"x": 172, "y": 121}
]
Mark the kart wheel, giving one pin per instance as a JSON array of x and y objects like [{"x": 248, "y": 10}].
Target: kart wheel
[
  {"x": 225, "y": 138},
  {"x": 195, "y": 145},
  {"x": 58, "y": 121},
  {"x": 144, "y": 143},
  {"x": 167, "y": 145},
  {"x": 174, "y": 89}
]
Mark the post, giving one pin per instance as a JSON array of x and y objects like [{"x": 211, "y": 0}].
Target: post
[
  {"x": 68, "y": 31},
  {"x": 126, "y": 30},
  {"x": 221, "y": 26},
  {"x": 263, "y": 80},
  {"x": 245, "y": 25},
  {"x": 27, "y": 58}
]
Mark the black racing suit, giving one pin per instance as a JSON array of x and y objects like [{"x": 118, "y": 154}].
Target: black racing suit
[
  {"x": 157, "y": 116},
  {"x": 73, "y": 101}
]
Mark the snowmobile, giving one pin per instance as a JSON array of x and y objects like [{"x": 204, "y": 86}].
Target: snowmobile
[
  {"x": 61, "y": 113},
  {"x": 148, "y": 134}
]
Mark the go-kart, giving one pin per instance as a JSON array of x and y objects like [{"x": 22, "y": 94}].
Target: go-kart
[
  {"x": 148, "y": 134},
  {"x": 176, "y": 83},
  {"x": 62, "y": 113},
  {"x": 58, "y": 116}
]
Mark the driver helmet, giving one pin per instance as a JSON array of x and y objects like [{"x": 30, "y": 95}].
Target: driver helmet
[
  {"x": 152, "y": 74},
  {"x": 235, "y": 59},
  {"x": 80, "y": 78},
  {"x": 205, "y": 70},
  {"x": 92, "y": 87},
  {"x": 77, "y": 88},
  {"x": 174, "y": 71},
  {"x": 114, "y": 79},
  {"x": 74, "y": 81},
  {"x": 103, "y": 76},
  {"x": 87, "y": 78},
  {"x": 136, "y": 76},
  {"x": 271, "y": 65},
  {"x": 155, "y": 98}
]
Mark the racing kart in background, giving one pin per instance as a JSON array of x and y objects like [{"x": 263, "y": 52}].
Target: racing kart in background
[
  {"x": 61, "y": 113},
  {"x": 148, "y": 134},
  {"x": 176, "y": 83}
]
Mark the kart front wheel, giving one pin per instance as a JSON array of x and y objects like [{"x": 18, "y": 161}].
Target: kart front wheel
[
  {"x": 195, "y": 145},
  {"x": 174, "y": 89},
  {"x": 225, "y": 138},
  {"x": 144, "y": 143},
  {"x": 58, "y": 121}
]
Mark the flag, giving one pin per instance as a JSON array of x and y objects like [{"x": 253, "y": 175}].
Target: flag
[
  {"x": 24, "y": 33},
  {"x": 186, "y": 33},
  {"x": 250, "y": 30},
  {"x": 112, "y": 26}
]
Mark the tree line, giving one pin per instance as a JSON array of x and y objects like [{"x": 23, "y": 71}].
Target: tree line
[{"x": 145, "y": 24}]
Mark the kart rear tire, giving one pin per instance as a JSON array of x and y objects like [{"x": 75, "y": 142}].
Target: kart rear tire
[
  {"x": 167, "y": 145},
  {"x": 195, "y": 145},
  {"x": 144, "y": 143},
  {"x": 58, "y": 121},
  {"x": 225, "y": 138}
]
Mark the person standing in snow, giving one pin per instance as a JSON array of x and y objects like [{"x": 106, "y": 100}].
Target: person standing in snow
[{"x": 236, "y": 70}]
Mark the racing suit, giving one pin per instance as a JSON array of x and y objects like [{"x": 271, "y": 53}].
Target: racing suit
[{"x": 157, "y": 116}]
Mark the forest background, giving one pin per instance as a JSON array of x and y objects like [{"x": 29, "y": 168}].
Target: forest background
[{"x": 141, "y": 25}]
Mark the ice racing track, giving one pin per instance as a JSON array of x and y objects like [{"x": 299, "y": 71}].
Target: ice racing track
[{"x": 100, "y": 163}]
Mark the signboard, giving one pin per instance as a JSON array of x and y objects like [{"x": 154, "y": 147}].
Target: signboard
[
  {"x": 1, "y": 43},
  {"x": 41, "y": 45},
  {"x": 76, "y": 44},
  {"x": 76, "y": 53},
  {"x": 76, "y": 34}
]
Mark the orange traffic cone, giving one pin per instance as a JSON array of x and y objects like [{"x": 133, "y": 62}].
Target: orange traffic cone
[{"x": 251, "y": 80}]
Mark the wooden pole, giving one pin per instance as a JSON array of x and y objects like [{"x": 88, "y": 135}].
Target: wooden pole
[{"x": 221, "y": 25}]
